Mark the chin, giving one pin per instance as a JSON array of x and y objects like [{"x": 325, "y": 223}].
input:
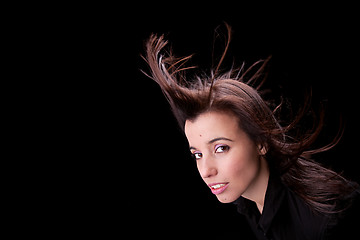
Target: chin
[{"x": 226, "y": 199}]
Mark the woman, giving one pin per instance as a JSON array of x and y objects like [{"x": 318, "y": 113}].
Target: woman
[{"x": 246, "y": 157}]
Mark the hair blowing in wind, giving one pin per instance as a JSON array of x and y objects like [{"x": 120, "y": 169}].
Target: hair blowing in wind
[{"x": 237, "y": 91}]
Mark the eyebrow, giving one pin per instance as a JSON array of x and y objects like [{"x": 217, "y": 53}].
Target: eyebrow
[
  {"x": 218, "y": 139},
  {"x": 215, "y": 140}
]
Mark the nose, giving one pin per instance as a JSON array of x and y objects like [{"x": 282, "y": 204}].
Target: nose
[{"x": 207, "y": 168}]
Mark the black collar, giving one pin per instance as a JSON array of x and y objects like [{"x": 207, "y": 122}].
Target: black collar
[{"x": 274, "y": 197}]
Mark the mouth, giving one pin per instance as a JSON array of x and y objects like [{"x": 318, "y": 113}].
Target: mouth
[{"x": 217, "y": 188}]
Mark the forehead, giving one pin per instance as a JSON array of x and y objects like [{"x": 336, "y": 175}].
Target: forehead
[{"x": 212, "y": 124}]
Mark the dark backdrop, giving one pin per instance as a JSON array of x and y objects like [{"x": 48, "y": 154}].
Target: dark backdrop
[{"x": 132, "y": 171}]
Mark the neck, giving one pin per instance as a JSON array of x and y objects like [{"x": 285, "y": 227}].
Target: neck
[{"x": 257, "y": 189}]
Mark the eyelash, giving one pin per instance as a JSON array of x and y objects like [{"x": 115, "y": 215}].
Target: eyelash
[
  {"x": 225, "y": 148},
  {"x": 195, "y": 154}
]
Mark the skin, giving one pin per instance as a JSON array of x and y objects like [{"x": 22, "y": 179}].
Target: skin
[{"x": 225, "y": 154}]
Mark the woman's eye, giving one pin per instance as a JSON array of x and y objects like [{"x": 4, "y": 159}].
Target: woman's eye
[
  {"x": 221, "y": 148},
  {"x": 197, "y": 155}
]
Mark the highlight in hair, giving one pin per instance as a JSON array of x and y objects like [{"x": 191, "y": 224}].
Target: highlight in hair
[{"x": 234, "y": 91}]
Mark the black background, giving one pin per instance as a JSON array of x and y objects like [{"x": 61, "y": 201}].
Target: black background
[{"x": 122, "y": 164}]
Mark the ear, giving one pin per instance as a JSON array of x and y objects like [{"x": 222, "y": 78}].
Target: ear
[{"x": 263, "y": 148}]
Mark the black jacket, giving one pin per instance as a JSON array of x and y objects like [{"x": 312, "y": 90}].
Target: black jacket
[{"x": 286, "y": 216}]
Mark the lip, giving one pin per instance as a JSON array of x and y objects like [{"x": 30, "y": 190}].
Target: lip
[{"x": 220, "y": 189}]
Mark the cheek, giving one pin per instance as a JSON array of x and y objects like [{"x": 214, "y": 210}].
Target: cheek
[
  {"x": 242, "y": 170},
  {"x": 243, "y": 165}
]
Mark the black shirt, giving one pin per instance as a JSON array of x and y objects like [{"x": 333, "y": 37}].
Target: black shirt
[{"x": 286, "y": 216}]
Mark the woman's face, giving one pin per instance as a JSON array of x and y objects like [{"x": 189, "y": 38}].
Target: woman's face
[{"x": 227, "y": 159}]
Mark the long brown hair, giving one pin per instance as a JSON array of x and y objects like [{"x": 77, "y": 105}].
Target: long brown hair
[{"x": 233, "y": 91}]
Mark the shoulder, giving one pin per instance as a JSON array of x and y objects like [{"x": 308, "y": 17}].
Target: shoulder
[
  {"x": 312, "y": 224},
  {"x": 339, "y": 225}
]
